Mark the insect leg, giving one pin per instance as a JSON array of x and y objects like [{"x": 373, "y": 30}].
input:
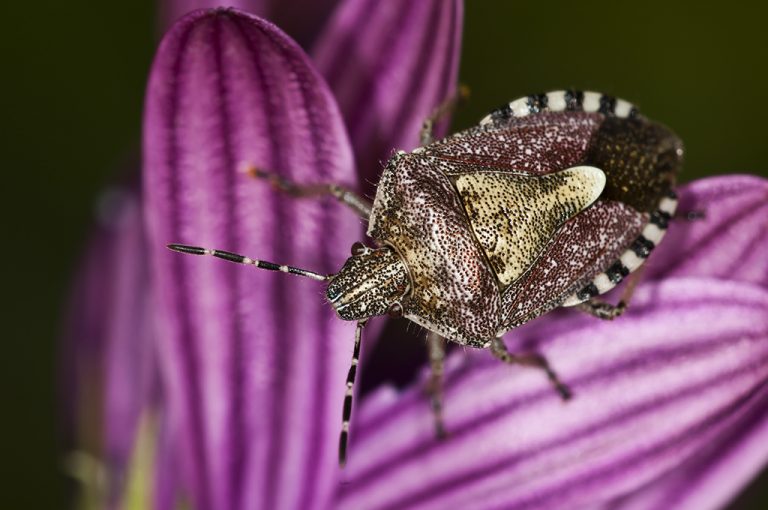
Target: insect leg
[
  {"x": 345, "y": 196},
  {"x": 692, "y": 215},
  {"x": 347, "y": 411},
  {"x": 436, "y": 346},
  {"x": 499, "y": 349},
  {"x": 443, "y": 109},
  {"x": 607, "y": 311}
]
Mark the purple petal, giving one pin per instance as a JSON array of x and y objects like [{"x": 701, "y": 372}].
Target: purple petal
[
  {"x": 730, "y": 242},
  {"x": 716, "y": 474},
  {"x": 254, "y": 360},
  {"x": 109, "y": 350},
  {"x": 390, "y": 64},
  {"x": 651, "y": 391}
]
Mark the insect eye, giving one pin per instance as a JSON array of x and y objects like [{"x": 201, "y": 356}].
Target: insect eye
[
  {"x": 395, "y": 310},
  {"x": 358, "y": 248}
]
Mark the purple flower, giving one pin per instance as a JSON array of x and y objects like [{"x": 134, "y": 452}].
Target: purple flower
[
  {"x": 293, "y": 347},
  {"x": 669, "y": 399}
]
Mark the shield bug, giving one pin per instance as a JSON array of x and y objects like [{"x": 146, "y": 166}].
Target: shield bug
[{"x": 552, "y": 200}]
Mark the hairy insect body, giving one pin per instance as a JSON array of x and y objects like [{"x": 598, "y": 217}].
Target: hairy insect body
[{"x": 505, "y": 221}]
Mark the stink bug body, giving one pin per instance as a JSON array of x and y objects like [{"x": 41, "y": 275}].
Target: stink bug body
[{"x": 550, "y": 201}]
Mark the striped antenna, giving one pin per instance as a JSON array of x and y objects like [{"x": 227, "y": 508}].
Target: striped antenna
[
  {"x": 347, "y": 411},
  {"x": 240, "y": 259}
]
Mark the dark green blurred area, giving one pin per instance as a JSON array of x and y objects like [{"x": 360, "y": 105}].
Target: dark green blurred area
[{"x": 72, "y": 98}]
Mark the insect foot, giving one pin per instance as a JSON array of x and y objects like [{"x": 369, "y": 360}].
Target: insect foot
[
  {"x": 343, "y": 195},
  {"x": 693, "y": 215},
  {"x": 603, "y": 310}
]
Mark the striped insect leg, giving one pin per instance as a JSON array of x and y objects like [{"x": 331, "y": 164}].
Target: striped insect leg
[
  {"x": 347, "y": 411},
  {"x": 499, "y": 349},
  {"x": 447, "y": 107},
  {"x": 436, "y": 346},
  {"x": 349, "y": 198},
  {"x": 607, "y": 311}
]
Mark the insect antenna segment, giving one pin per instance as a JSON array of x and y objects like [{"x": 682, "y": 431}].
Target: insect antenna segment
[
  {"x": 241, "y": 259},
  {"x": 262, "y": 264},
  {"x": 347, "y": 411}
]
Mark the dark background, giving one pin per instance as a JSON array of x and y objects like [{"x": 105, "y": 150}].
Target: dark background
[{"x": 72, "y": 86}]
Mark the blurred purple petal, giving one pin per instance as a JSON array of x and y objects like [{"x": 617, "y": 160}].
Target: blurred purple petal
[
  {"x": 302, "y": 19},
  {"x": 651, "y": 391},
  {"x": 390, "y": 64},
  {"x": 254, "y": 361},
  {"x": 129, "y": 385},
  {"x": 109, "y": 346},
  {"x": 172, "y": 10},
  {"x": 730, "y": 242},
  {"x": 168, "y": 491}
]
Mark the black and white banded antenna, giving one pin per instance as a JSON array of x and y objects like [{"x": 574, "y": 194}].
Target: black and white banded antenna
[
  {"x": 271, "y": 266},
  {"x": 346, "y": 414},
  {"x": 241, "y": 259}
]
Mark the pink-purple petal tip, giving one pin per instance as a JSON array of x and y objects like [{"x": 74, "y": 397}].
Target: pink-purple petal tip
[
  {"x": 301, "y": 19},
  {"x": 726, "y": 237},
  {"x": 172, "y": 10}
]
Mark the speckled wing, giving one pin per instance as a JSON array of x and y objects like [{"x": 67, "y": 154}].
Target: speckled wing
[{"x": 582, "y": 247}]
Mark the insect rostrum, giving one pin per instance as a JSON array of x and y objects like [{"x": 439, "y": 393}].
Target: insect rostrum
[{"x": 550, "y": 201}]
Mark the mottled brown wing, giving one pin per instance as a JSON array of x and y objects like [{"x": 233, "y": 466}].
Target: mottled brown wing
[
  {"x": 640, "y": 159},
  {"x": 582, "y": 248},
  {"x": 536, "y": 144},
  {"x": 419, "y": 213}
]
